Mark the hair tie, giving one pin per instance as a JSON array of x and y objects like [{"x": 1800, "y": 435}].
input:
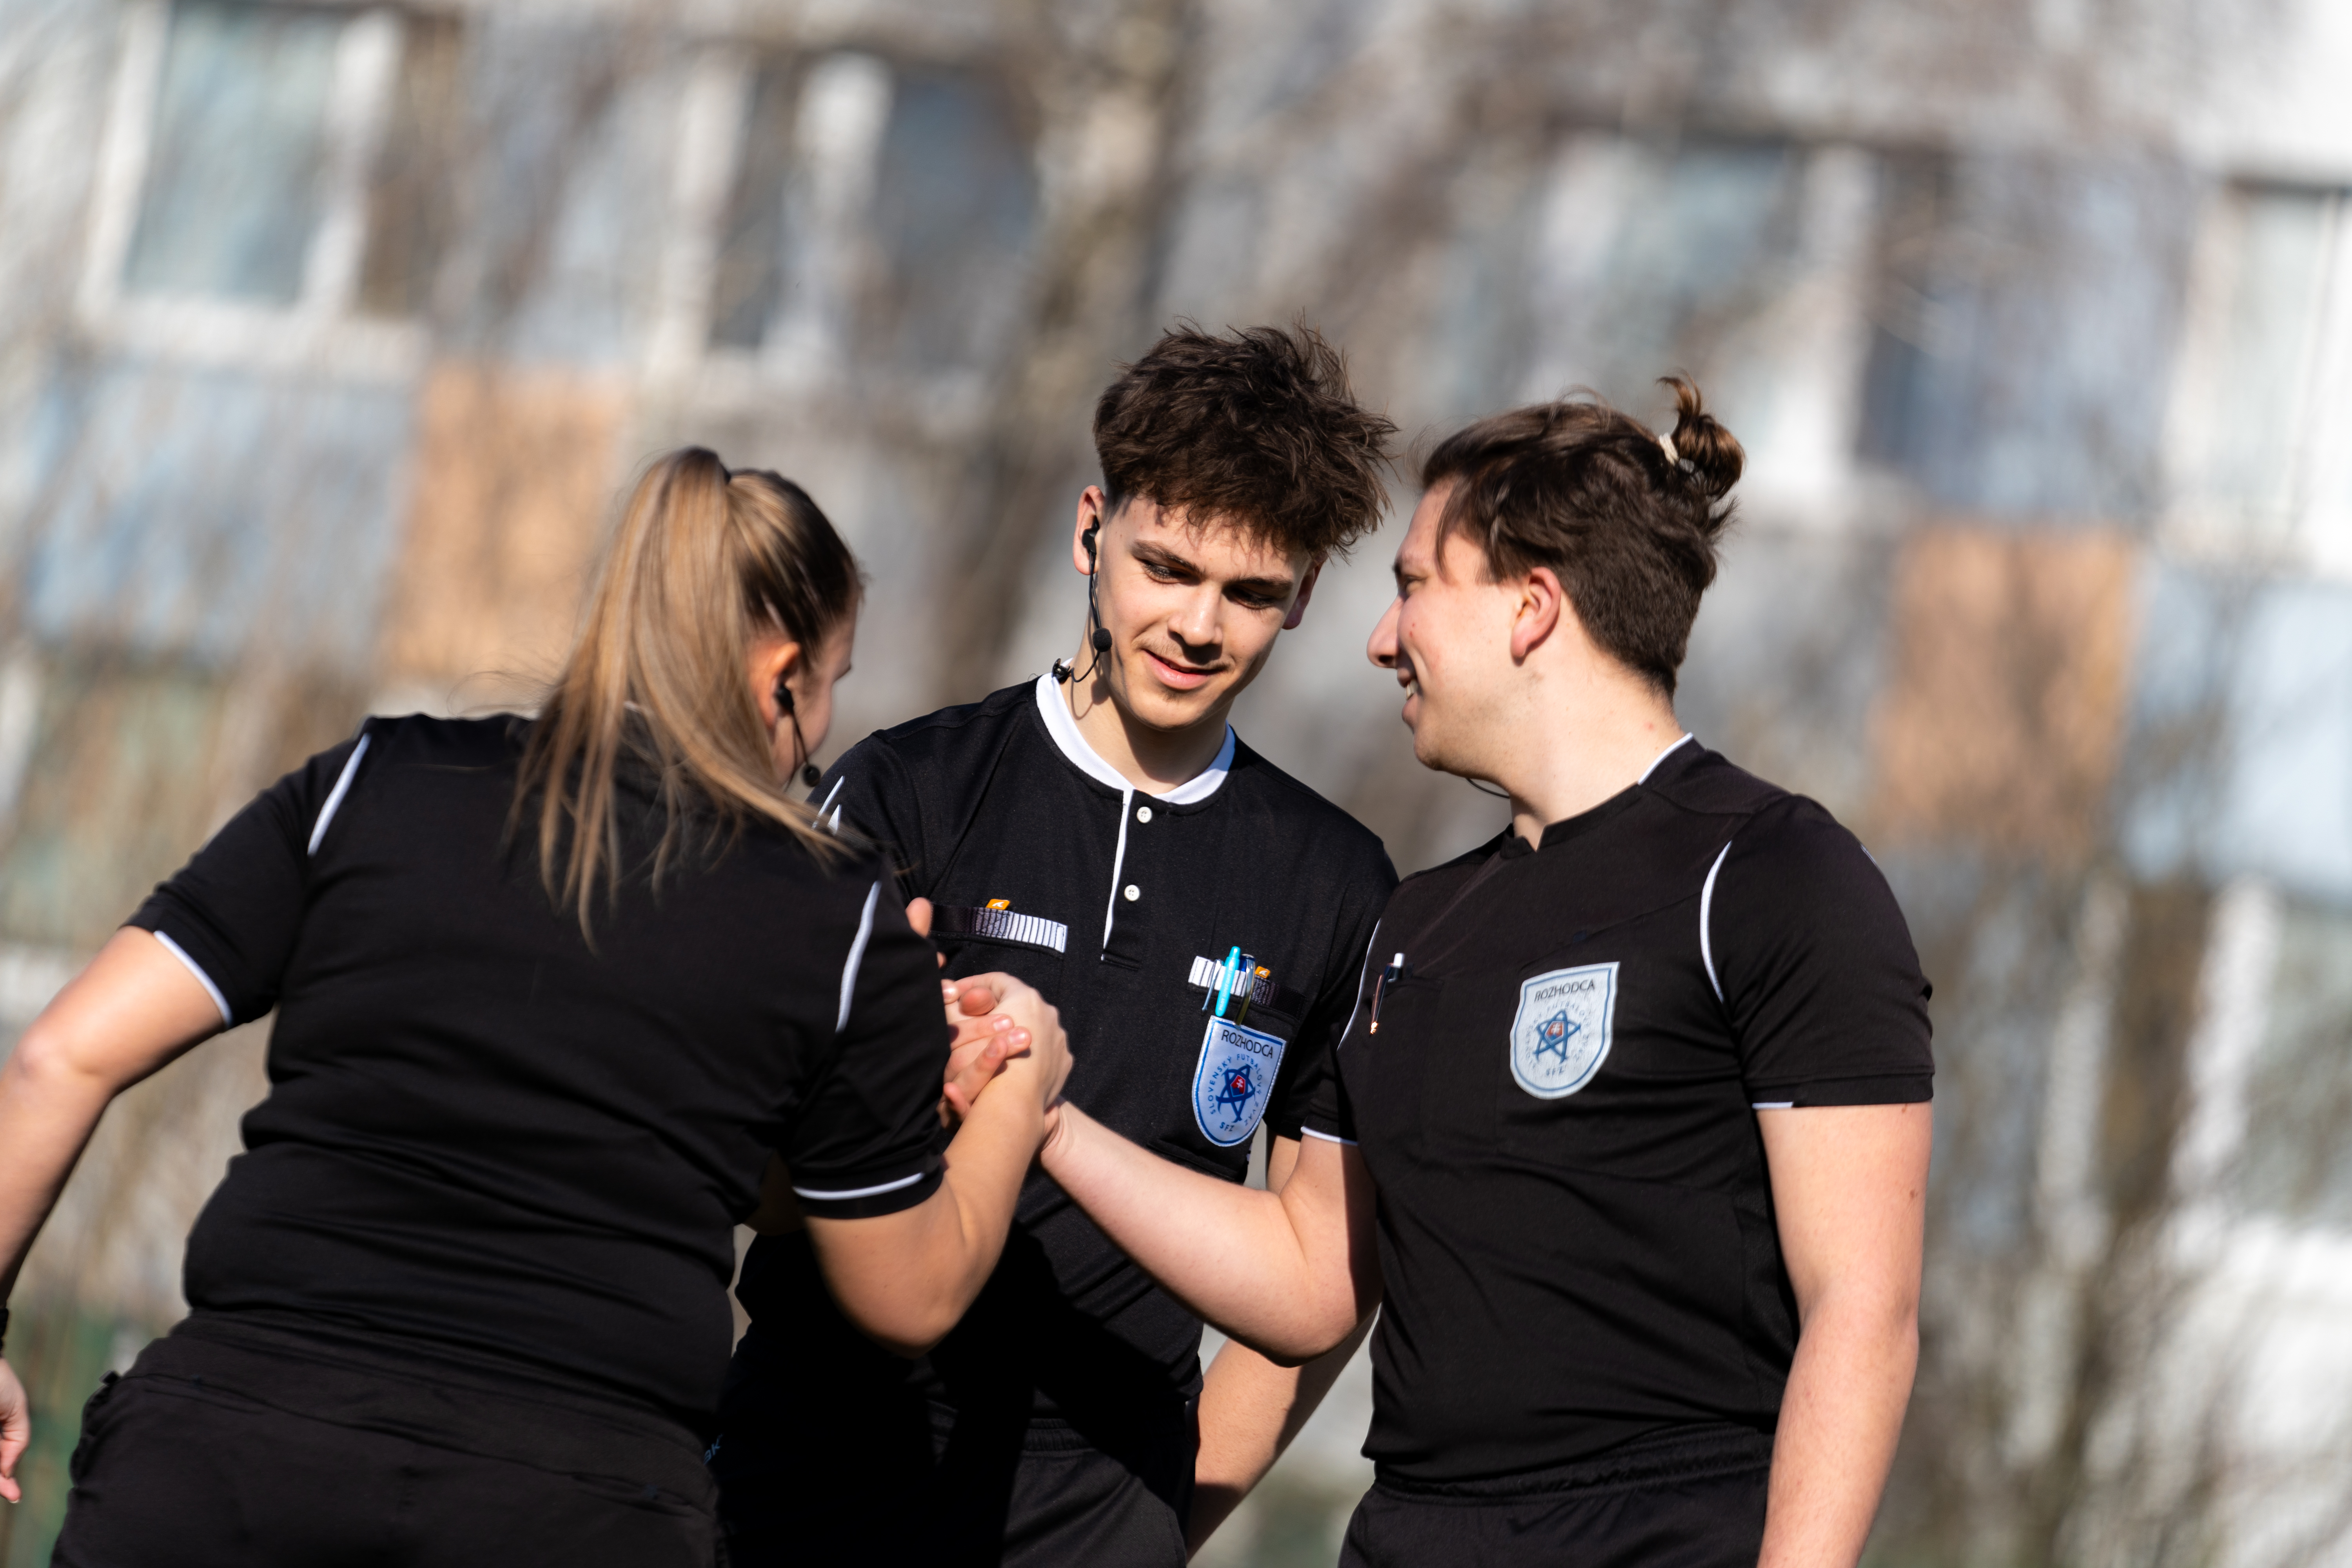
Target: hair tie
[{"x": 1666, "y": 444}]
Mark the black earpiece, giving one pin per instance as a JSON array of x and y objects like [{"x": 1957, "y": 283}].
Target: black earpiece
[
  {"x": 783, "y": 694},
  {"x": 1064, "y": 672}
]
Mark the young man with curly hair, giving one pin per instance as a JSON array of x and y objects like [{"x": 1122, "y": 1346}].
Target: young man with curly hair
[{"x": 1197, "y": 916}]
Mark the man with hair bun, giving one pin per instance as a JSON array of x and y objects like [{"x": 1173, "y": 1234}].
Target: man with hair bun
[
  {"x": 1197, "y": 917},
  {"x": 1628, "y": 1134}
]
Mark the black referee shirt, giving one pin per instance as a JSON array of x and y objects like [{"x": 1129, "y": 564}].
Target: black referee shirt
[
  {"x": 489, "y": 1141},
  {"x": 1553, "y": 1073},
  {"x": 1122, "y": 908}
]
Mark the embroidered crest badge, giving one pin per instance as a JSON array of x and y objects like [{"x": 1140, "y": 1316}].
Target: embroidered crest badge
[
  {"x": 1234, "y": 1080},
  {"x": 1561, "y": 1034}
]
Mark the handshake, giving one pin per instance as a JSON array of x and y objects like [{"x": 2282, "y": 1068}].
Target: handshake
[{"x": 1002, "y": 1030}]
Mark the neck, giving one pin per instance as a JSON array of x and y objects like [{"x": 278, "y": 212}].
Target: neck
[
  {"x": 1572, "y": 756},
  {"x": 1154, "y": 760}
]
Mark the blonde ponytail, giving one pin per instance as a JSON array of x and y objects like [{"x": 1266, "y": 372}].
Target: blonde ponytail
[{"x": 706, "y": 563}]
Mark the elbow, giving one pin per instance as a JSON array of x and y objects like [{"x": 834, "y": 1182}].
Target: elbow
[
  {"x": 1311, "y": 1336},
  {"x": 909, "y": 1333},
  {"x": 1881, "y": 1323},
  {"x": 44, "y": 1062},
  {"x": 909, "y": 1322}
]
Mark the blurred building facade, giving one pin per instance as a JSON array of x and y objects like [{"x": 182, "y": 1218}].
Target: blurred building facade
[{"x": 328, "y": 332}]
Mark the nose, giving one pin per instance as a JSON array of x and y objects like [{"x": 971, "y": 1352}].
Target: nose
[
  {"x": 1196, "y": 625},
  {"x": 1382, "y": 648}
]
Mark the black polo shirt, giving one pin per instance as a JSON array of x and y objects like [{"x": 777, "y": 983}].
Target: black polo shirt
[
  {"x": 1122, "y": 908},
  {"x": 487, "y": 1139},
  {"x": 1553, "y": 1075}
]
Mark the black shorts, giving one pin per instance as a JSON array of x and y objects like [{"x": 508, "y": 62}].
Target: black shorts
[
  {"x": 1690, "y": 1506},
  {"x": 259, "y": 1449},
  {"x": 898, "y": 1479}
]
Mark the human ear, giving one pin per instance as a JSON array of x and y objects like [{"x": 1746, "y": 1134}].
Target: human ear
[
  {"x": 1537, "y": 614},
  {"x": 773, "y": 663},
  {"x": 1306, "y": 591},
  {"x": 1092, "y": 515}
]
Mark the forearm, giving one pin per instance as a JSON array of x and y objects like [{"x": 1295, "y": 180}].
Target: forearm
[
  {"x": 1271, "y": 1271},
  {"x": 987, "y": 1162},
  {"x": 1251, "y": 1408},
  {"x": 1840, "y": 1419},
  {"x": 48, "y": 1108},
  {"x": 134, "y": 1008},
  {"x": 905, "y": 1279}
]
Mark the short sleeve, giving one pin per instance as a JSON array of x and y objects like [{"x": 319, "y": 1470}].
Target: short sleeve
[
  {"x": 1309, "y": 1066},
  {"x": 866, "y": 1140},
  {"x": 867, "y": 795},
  {"x": 1327, "y": 1113},
  {"x": 232, "y": 914},
  {"x": 1813, "y": 961}
]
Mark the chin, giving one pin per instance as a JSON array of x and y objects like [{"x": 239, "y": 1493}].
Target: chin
[
  {"x": 1162, "y": 709},
  {"x": 1429, "y": 749}
]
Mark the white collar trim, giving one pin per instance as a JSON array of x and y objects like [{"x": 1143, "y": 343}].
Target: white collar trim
[
  {"x": 1072, "y": 740},
  {"x": 1661, "y": 757}
]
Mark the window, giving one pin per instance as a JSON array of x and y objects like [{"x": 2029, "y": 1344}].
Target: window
[
  {"x": 2263, "y": 376},
  {"x": 236, "y": 171},
  {"x": 1738, "y": 262},
  {"x": 2296, "y": 1160},
  {"x": 2021, "y": 348},
  {"x": 880, "y": 212},
  {"x": 267, "y": 164}
]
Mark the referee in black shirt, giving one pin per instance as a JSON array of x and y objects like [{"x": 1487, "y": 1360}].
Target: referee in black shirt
[
  {"x": 1629, "y": 1132},
  {"x": 1199, "y": 917},
  {"x": 547, "y": 992}
]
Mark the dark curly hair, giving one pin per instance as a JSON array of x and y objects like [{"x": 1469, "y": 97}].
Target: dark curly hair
[
  {"x": 1258, "y": 427},
  {"x": 1595, "y": 495}
]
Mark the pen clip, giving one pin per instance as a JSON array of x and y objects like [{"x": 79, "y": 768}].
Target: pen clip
[{"x": 1395, "y": 970}]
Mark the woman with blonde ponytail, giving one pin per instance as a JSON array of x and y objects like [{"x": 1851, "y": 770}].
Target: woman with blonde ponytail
[{"x": 549, "y": 994}]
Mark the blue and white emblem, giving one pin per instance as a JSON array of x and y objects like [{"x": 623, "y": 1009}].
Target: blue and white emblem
[
  {"x": 1233, "y": 1081},
  {"x": 1561, "y": 1035}
]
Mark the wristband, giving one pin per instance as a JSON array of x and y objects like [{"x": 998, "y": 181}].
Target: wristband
[{"x": 3, "y": 1328}]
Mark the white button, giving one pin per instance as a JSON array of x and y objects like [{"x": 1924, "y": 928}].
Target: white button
[
  {"x": 1142, "y": 813},
  {"x": 1133, "y": 892}
]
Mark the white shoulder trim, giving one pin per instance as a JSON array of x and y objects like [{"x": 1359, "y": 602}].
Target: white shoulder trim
[
  {"x": 211, "y": 990},
  {"x": 1706, "y": 914},
  {"x": 1329, "y": 1137},
  {"x": 856, "y": 956},
  {"x": 1072, "y": 743},
  {"x": 821, "y": 1195},
  {"x": 1661, "y": 757},
  {"x": 335, "y": 795}
]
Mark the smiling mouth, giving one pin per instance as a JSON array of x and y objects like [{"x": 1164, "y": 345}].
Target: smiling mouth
[{"x": 1184, "y": 678}]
